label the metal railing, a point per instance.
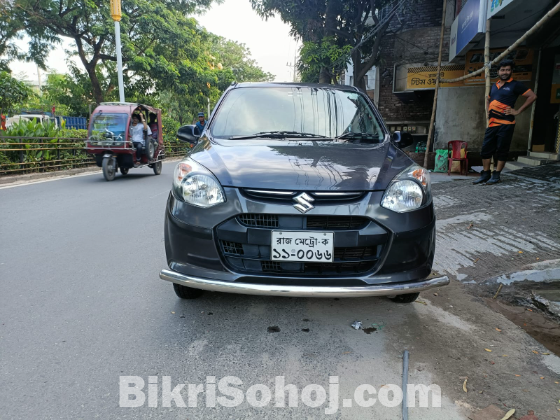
(22, 155)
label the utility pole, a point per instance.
(39, 80)
(293, 67)
(116, 15)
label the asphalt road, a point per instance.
(81, 305)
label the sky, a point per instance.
(269, 41)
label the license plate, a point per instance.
(302, 246)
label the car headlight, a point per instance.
(194, 184)
(409, 191)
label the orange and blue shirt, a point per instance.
(502, 98)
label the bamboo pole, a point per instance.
(513, 46)
(434, 107)
(487, 68)
(533, 107)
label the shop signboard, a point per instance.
(424, 78)
(498, 6)
(523, 70)
(468, 27)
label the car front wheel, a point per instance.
(185, 292)
(408, 298)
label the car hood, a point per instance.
(301, 165)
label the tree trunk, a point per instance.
(359, 80)
(97, 92)
(324, 76)
(361, 68)
(90, 68)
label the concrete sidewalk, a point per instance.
(486, 231)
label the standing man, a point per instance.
(136, 133)
(201, 123)
(501, 118)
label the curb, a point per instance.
(21, 179)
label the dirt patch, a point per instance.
(541, 327)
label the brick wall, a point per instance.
(417, 42)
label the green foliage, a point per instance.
(12, 92)
(161, 47)
(315, 56)
(32, 128)
(168, 59)
(39, 151)
(236, 58)
(330, 30)
(169, 129)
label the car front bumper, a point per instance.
(302, 291)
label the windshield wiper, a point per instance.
(279, 135)
(351, 135)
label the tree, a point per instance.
(13, 91)
(331, 30)
(160, 45)
(11, 25)
(231, 62)
(236, 57)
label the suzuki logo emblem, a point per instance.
(303, 202)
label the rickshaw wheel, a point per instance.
(157, 167)
(150, 149)
(109, 168)
(124, 171)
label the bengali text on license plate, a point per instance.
(302, 246)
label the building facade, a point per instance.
(405, 81)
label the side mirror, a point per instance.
(189, 134)
(402, 139)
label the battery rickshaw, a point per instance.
(110, 143)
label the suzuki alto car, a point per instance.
(299, 190)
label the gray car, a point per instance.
(299, 190)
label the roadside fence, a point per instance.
(22, 155)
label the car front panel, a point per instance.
(232, 241)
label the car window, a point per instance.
(319, 111)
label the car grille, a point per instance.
(288, 196)
(244, 244)
(336, 222)
(259, 220)
(310, 222)
(319, 268)
(346, 260)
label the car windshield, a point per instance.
(109, 126)
(310, 112)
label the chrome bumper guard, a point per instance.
(301, 291)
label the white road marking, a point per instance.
(40, 181)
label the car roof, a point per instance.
(122, 107)
(295, 85)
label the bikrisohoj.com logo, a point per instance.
(230, 391)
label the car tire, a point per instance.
(124, 171)
(185, 292)
(157, 167)
(109, 168)
(407, 298)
